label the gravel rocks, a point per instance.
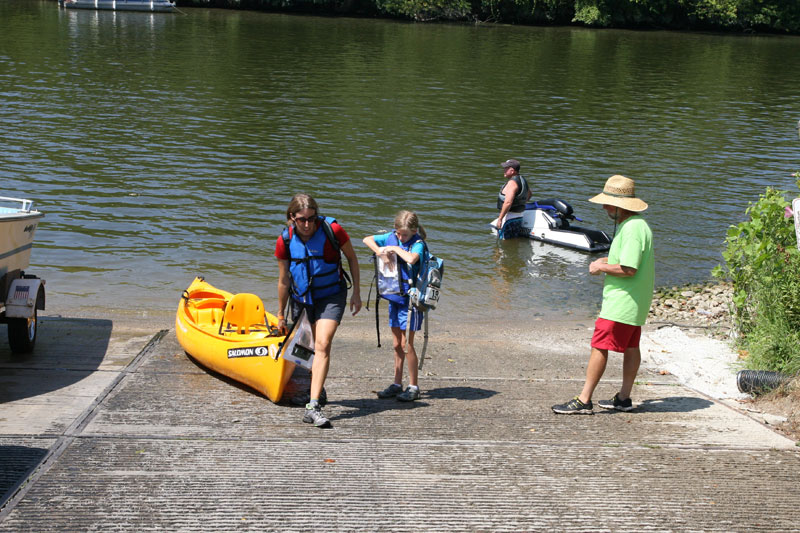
(707, 304)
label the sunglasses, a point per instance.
(304, 220)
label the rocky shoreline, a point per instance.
(706, 305)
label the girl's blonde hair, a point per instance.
(408, 220)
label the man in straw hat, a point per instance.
(627, 294)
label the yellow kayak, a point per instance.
(233, 335)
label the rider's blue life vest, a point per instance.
(311, 276)
(405, 273)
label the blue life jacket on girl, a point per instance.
(405, 271)
(312, 276)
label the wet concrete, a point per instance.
(110, 426)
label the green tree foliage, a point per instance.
(776, 15)
(726, 15)
(763, 263)
(426, 10)
(769, 15)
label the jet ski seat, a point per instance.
(559, 205)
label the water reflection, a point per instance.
(553, 261)
(543, 279)
(161, 147)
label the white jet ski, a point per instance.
(550, 221)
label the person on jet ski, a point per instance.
(514, 194)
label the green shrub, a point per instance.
(426, 10)
(763, 263)
(773, 342)
(589, 13)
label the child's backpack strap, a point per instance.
(377, 319)
(377, 298)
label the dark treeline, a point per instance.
(774, 16)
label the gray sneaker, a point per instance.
(314, 416)
(390, 392)
(305, 397)
(408, 395)
(574, 407)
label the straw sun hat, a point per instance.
(619, 192)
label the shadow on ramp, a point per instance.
(460, 393)
(67, 350)
(673, 404)
(373, 405)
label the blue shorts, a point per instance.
(398, 316)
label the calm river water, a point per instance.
(162, 146)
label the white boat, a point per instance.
(550, 221)
(17, 227)
(121, 5)
(22, 294)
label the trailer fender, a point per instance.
(25, 295)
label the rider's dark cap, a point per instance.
(513, 163)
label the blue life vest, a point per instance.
(404, 270)
(312, 276)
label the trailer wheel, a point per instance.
(22, 331)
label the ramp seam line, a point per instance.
(15, 494)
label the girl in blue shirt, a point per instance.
(405, 245)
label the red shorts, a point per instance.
(614, 336)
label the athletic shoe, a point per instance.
(390, 392)
(408, 395)
(574, 407)
(305, 397)
(616, 403)
(314, 416)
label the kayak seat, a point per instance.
(207, 311)
(207, 316)
(210, 303)
(244, 313)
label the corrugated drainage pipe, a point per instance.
(760, 381)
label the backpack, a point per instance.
(425, 293)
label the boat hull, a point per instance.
(249, 358)
(162, 6)
(17, 229)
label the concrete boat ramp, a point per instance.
(109, 426)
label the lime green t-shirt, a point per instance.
(627, 299)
